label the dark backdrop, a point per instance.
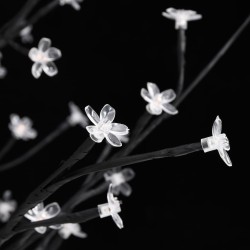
(111, 49)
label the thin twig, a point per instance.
(37, 148)
(181, 48)
(78, 217)
(154, 124)
(9, 145)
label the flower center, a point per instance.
(104, 126)
(21, 129)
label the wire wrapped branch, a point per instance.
(79, 217)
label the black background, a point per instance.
(111, 49)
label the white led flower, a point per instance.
(159, 102)
(181, 17)
(104, 128)
(71, 228)
(112, 208)
(25, 34)
(21, 128)
(7, 206)
(74, 3)
(43, 58)
(119, 181)
(217, 141)
(76, 116)
(39, 212)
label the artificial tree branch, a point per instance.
(78, 217)
(181, 48)
(37, 148)
(41, 192)
(9, 145)
(156, 122)
(129, 160)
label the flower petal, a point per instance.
(97, 138)
(41, 230)
(113, 140)
(168, 96)
(15, 119)
(117, 219)
(225, 157)
(128, 174)
(125, 189)
(33, 54)
(44, 44)
(92, 129)
(50, 68)
(169, 108)
(217, 126)
(145, 95)
(36, 70)
(152, 89)
(92, 115)
(119, 129)
(107, 113)
(54, 53)
(52, 210)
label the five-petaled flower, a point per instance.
(43, 58)
(74, 3)
(112, 208)
(217, 141)
(71, 228)
(159, 102)
(104, 126)
(21, 128)
(39, 212)
(119, 180)
(7, 206)
(181, 17)
(76, 116)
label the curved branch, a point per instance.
(79, 217)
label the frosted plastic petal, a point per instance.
(225, 157)
(92, 115)
(41, 230)
(33, 54)
(91, 129)
(128, 174)
(119, 129)
(52, 210)
(118, 221)
(145, 95)
(153, 89)
(14, 118)
(168, 96)
(125, 189)
(113, 140)
(217, 126)
(50, 68)
(36, 70)
(107, 113)
(96, 139)
(116, 190)
(169, 108)
(44, 44)
(54, 53)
